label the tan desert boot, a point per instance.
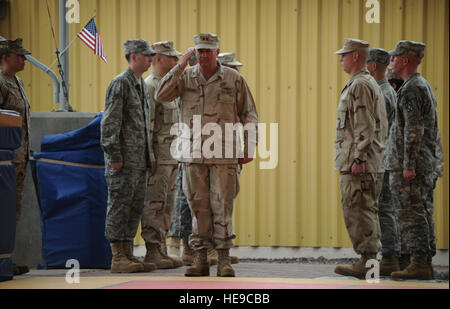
(120, 263)
(358, 269)
(200, 266)
(417, 269)
(388, 265)
(155, 256)
(224, 268)
(128, 251)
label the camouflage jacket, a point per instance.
(390, 98)
(361, 128)
(224, 100)
(13, 97)
(415, 134)
(125, 127)
(165, 116)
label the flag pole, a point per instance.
(67, 47)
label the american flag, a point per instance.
(89, 35)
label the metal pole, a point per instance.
(63, 41)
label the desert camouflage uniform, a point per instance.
(125, 137)
(210, 184)
(361, 132)
(161, 185)
(415, 137)
(13, 97)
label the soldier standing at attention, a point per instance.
(377, 64)
(359, 149)
(126, 141)
(215, 95)
(13, 97)
(161, 185)
(412, 159)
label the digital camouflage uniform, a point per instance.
(210, 184)
(13, 97)
(361, 132)
(390, 234)
(413, 145)
(161, 186)
(125, 137)
(390, 237)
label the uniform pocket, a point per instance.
(340, 123)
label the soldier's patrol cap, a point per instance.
(352, 45)
(409, 47)
(228, 59)
(206, 40)
(14, 47)
(138, 46)
(379, 55)
(165, 48)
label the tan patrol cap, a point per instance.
(228, 59)
(206, 40)
(165, 48)
(14, 47)
(352, 45)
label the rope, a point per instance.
(68, 46)
(67, 163)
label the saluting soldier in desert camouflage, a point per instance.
(217, 96)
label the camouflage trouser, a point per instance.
(430, 211)
(390, 235)
(360, 208)
(21, 173)
(126, 195)
(181, 221)
(415, 212)
(158, 206)
(211, 190)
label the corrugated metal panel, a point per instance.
(288, 48)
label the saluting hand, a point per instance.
(185, 58)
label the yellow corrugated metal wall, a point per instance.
(288, 48)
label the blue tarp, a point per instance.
(83, 138)
(7, 214)
(10, 139)
(73, 199)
